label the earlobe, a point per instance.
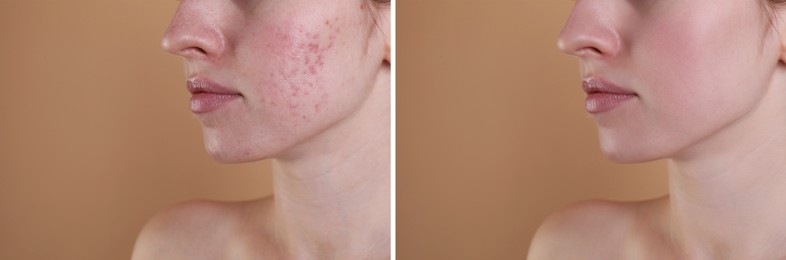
(779, 32)
(386, 30)
(782, 45)
(387, 52)
(778, 26)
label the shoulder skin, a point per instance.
(190, 230)
(593, 229)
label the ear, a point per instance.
(384, 27)
(781, 41)
(779, 27)
(387, 51)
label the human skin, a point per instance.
(708, 80)
(307, 84)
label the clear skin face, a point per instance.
(698, 67)
(710, 85)
(302, 67)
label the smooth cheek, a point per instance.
(670, 65)
(689, 68)
(699, 65)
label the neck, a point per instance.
(728, 198)
(333, 201)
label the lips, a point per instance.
(207, 96)
(603, 96)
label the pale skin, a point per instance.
(314, 76)
(710, 82)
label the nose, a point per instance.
(193, 33)
(590, 30)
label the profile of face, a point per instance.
(662, 77)
(267, 76)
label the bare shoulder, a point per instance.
(189, 230)
(592, 229)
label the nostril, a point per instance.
(193, 50)
(587, 52)
(591, 50)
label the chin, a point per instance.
(231, 152)
(627, 153)
(225, 157)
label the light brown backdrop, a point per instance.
(95, 131)
(491, 130)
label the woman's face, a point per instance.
(663, 76)
(266, 76)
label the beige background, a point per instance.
(492, 133)
(95, 131)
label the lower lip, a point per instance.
(602, 102)
(207, 102)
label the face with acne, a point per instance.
(296, 68)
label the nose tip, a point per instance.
(182, 45)
(562, 44)
(193, 35)
(582, 48)
(166, 43)
(589, 34)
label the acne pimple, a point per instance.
(319, 61)
(302, 51)
(322, 100)
(313, 47)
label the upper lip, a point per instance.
(592, 86)
(198, 85)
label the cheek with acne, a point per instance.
(297, 81)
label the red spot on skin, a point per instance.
(316, 107)
(319, 61)
(312, 70)
(362, 6)
(313, 48)
(327, 22)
